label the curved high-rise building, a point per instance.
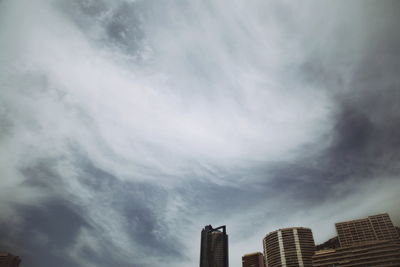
(289, 247)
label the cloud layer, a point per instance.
(126, 126)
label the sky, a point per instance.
(126, 126)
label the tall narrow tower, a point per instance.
(214, 247)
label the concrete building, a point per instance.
(289, 247)
(9, 260)
(371, 253)
(253, 260)
(376, 227)
(214, 247)
(372, 241)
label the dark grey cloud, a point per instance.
(363, 144)
(44, 233)
(118, 25)
(54, 227)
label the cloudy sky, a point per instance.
(126, 126)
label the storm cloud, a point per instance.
(126, 126)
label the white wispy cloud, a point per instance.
(201, 100)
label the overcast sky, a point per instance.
(126, 126)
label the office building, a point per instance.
(9, 260)
(372, 241)
(376, 227)
(253, 260)
(289, 247)
(370, 253)
(214, 247)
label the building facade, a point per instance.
(371, 253)
(289, 247)
(376, 227)
(253, 260)
(214, 247)
(372, 241)
(9, 260)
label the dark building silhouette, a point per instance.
(253, 260)
(289, 247)
(9, 260)
(372, 241)
(330, 244)
(214, 247)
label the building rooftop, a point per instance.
(252, 254)
(289, 228)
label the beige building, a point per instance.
(376, 227)
(371, 253)
(9, 260)
(372, 241)
(289, 247)
(253, 260)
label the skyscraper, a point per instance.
(289, 247)
(253, 260)
(214, 247)
(9, 260)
